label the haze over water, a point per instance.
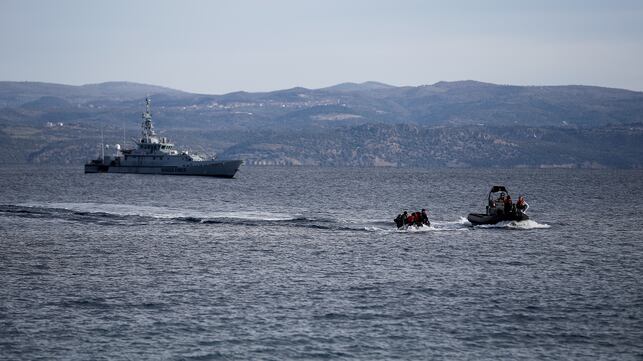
(304, 263)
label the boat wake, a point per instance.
(119, 214)
(124, 210)
(386, 226)
(122, 214)
(528, 224)
(460, 225)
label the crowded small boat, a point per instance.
(406, 219)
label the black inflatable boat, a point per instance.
(497, 210)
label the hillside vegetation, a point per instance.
(447, 124)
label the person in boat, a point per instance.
(425, 218)
(398, 221)
(410, 220)
(522, 205)
(508, 205)
(418, 219)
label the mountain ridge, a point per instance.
(45, 122)
(366, 85)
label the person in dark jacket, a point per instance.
(398, 221)
(508, 205)
(425, 218)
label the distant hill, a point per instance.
(358, 87)
(436, 124)
(454, 146)
(17, 93)
(456, 103)
(47, 102)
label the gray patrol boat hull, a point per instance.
(223, 169)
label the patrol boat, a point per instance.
(157, 155)
(496, 211)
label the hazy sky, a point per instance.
(224, 46)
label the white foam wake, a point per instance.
(462, 224)
(161, 212)
(528, 224)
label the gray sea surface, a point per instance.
(305, 263)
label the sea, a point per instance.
(284, 263)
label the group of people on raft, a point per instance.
(508, 206)
(417, 219)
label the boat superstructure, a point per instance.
(157, 155)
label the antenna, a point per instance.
(123, 134)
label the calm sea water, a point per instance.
(304, 263)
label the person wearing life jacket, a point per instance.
(418, 219)
(425, 218)
(522, 205)
(410, 220)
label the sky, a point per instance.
(223, 46)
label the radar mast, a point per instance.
(148, 129)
